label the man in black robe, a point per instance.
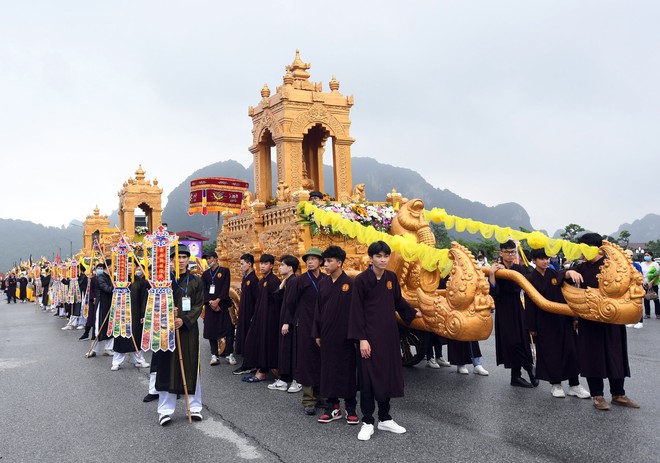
(330, 330)
(103, 302)
(555, 335)
(45, 284)
(262, 341)
(188, 294)
(22, 288)
(122, 346)
(10, 286)
(217, 322)
(287, 270)
(372, 322)
(301, 300)
(246, 307)
(512, 347)
(602, 347)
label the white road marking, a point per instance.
(7, 364)
(216, 429)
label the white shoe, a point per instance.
(557, 391)
(278, 385)
(431, 363)
(462, 370)
(638, 325)
(391, 426)
(294, 387)
(67, 327)
(214, 360)
(114, 368)
(442, 362)
(142, 364)
(579, 392)
(366, 431)
(108, 353)
(80, 327)
(231, 359)
(479, 370)
(630, 325)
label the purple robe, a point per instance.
(372, 318)
(556, 349)
(301, 300)
(338, 353)
(511, 335)
(217, 325)
(261, 343)
(246, 307)
(602, 347)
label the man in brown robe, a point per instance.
(246, 307)
(261, 343)
(188, 293)
(330, 329)
(555, 335)
(512, 346)
(217, 322)
(301, 301)
(372, 322)
(602, 347)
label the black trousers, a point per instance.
(574, 381)
(596, 386)
(434, 344)
(229, 346)
(368, 401)
(349, 402)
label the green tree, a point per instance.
(571, 231)
(654, 247)
(209, 247)
(442, 239)
(624, 238)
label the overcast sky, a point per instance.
(553, 105)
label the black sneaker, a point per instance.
(242, 370)
(150, 398)
(310, 410)
(329, 415)
(84, 337)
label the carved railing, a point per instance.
(280, 215)
(237, 223)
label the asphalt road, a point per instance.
(59, 406)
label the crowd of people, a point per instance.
(328, 336)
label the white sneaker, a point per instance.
(391, 426)
(214, 360)
(67, 327)
(579, 392)
(114, 368)
(431, 363)
(462, 370)
(366, 431)
(638, 325)
(557, 391)
(442, 362)
(278, 385)
(142, 364)
(479, 370)
(630, 325)
(231, 359)
(80, 327)
(294, 387)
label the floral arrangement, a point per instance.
(141, 230)
(270, 203)
(375, 215)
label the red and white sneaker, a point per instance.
(330, 415)
(351, 417)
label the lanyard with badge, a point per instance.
(212, 285)
(185, 300)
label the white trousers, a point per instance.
(152, 384)
(167, 401)
(119, 357)
(100, 346)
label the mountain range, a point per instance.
(24, 238)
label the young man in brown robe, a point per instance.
(217, 322)
(261, 343)
(512, 346)
(338, 354)
(301, 301)
(555, 335)
(246, 307)
(602, 347)
(372, 322)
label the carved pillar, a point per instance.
(342, 169)
(129, 223)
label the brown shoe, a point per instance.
(600, 403)
(624, 401)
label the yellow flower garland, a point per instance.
(535, 239)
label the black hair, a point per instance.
(335, 252)
(212, 254)
(291, 261)
(101, 265)
(650, 253)
(591, 239)
(508, 245)
(248, 258)
(267, 258)
(378, 247)
(539, 254)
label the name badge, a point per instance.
(212, 289)
(186, 304)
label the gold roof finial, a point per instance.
(334, 84)
(96, 210)
(139, 174)
(299, 68)
(265, 91)
(288, 78)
